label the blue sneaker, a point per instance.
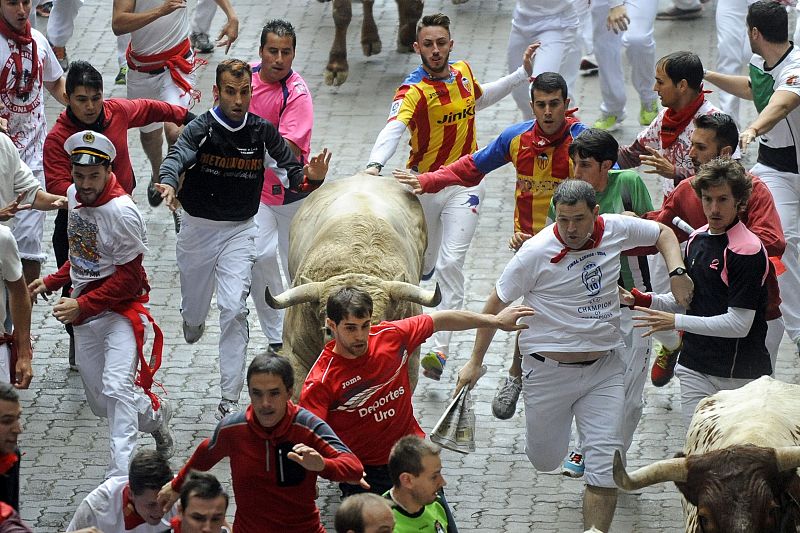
(573, 465)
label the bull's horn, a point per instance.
(788, 457)
(400, 290)
(658, 472)
(307, 292)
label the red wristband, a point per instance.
(641, 299)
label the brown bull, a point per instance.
(738, 471)
(409, 12)
(363, 231)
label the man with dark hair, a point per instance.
(276, 451)
(202, 506)
(594, 153)
(527, 145)
(725, 327)
(364, 513)
(437, 103)
(128, 503)
(774, 87)
(715, 136)
(87, 110)
(359, 384)
(162, 64)
(107, 305)
(664, 144)
(223, 154)
(281, 96)
(568, 273)
(416, 471)
(10, 430)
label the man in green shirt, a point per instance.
(416, 495)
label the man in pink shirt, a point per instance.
(281, 96)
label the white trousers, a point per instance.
(272, 242)
(451, 216)
(695, 386)
(734, 47)
(105, 352)
(640, 48)
(593, 395)
(636, 357)
(560, 51)
(28, 229)
(213, 254)
(203, 14)
(158, 87)
(785, 189)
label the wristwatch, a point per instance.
(680, 271)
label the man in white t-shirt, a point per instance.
(568, 273)
(128, 503)
(28, 66)
(107, 242)
(774, 87)
(19, 306)
(161, 64)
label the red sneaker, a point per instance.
(664, 365)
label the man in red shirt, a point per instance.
(276, 452)
(86, 110)
(359, 384)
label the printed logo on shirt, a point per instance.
(300, 87)
(376, 409)
(542, 161)
(395, 107)
(793, 80)
(714, 264)
(592, 278)
(450, 118)
(351, 381)
(467, 85)
(82, 238)
(19, 103)
(472, 201)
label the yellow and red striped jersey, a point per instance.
(440, 114)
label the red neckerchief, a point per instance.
(176, 524)
(23, 84)
(674, 122)
(7, 462)
(591, 242)
(132, 518)
(540, 142)
(113, 190)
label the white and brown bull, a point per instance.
(363, 231)
(738, 470)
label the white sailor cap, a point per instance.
(90, 148)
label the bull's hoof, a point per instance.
(335, 77)
(371, 47)
(403, 48)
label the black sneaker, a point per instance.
(153, 195)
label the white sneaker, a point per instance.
(192, 334)
(163, 437)
(225, 408)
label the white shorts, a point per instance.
(593, 395)
(28, 229)
(158, 87)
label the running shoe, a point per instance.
(162, 435)
(664, 365)
(153, 195)
(573, 465)
(588, 67)
(433, 365)
(44, 9)
(608, 123)
(225, 408)
(648, 113)
(504, 404)
(122, 75)
(192, 334)
(676, 13)
(177, 217)
(61, 55)
(201, 43)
